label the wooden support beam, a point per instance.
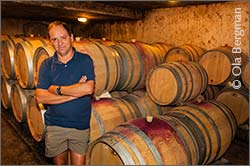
(89, 8)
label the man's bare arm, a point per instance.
(77, 90)
(45, 97)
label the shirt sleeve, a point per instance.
(90, 73)
(44, 78)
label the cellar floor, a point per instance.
(19, 148)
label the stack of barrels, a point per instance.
(21, 58)
(123, 65)
(203, 114)
(229, 72)
(165, 104)
(192, 134)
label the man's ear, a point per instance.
(72, 37)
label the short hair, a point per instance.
(56, 23)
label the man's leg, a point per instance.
(61, 159)
(56, 144)
(76, 158)
(78, 144)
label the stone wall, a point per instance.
(23, 27)
(208, 26)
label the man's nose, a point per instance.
(60, 41)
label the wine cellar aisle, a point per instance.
(18, 146)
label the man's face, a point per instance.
(61, 40)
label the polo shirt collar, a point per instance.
(55, 57)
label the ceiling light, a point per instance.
(82, 19)
(173, 2)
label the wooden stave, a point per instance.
(18, 102)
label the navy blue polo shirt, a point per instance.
(75, 113)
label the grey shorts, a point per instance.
(59, 139)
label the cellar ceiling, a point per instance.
(93, 10)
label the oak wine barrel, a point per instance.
(211, 92)
(213, 125)
(150, 57)
(169, 83)
(118, 94)
(6, 92)
(164, 47)
(41, 53)
(35, 118)
(131, 66)
(107, 113)
(164, 141)
(104, 41)
(7, 56)
(143, 104)
(23, 63)
(106, 65)
(19, 102)
(218, 63)
(238, 101)
(186, 52)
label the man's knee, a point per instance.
(61, 159)
(76, 158)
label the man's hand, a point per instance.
(83, 79)
(46, 97)
(82, 88)
(52, 89)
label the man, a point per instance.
(66, 82)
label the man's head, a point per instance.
(61, 37)
(57, 23)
